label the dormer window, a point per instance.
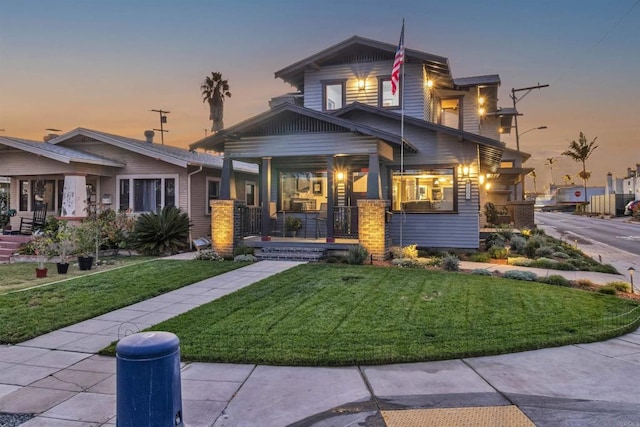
(333, 95)
(385, 98)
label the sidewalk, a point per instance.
(57, 377)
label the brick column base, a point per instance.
(222, 227)
(522, 213)
(372, 229)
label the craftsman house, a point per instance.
(352, 160)
(85, 169)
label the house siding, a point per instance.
(311, 144)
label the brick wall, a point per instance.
(522, 213)
(223, 226)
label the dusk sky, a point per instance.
(104, 64)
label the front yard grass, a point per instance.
(27, 314)
(342, 315)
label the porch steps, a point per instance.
(292, 253)
(9, 245)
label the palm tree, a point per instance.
(533, 176)
(550, 162)
(580, 151)
(214, 89)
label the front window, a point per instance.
(143, 194)
(213, 192)
(333, 95)
(386, 98)
(302, 190)
(424, 190)
(43, 191)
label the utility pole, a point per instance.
(515, 101)
(163, 120)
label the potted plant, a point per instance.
(293, 224)
(42, 245)
(87, 235)
(63, 245)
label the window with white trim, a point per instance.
(213, 192)
(333, 95)
(386, 98)
(139, 193)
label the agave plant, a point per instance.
(163, 233)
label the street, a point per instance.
(612, 241)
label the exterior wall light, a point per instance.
(487, 186)
(481, 111)
(340, 176)
(481, 179)
(361, 84)
(429, 83)
(465, 170)
(481, 101)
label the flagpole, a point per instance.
(402, 143)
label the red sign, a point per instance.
(577, 193)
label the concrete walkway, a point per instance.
(58, 377)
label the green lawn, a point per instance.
(21, 275)
(27, 314)
(329, 314)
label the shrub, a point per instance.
(480, 257)
(544, 251)
(481, 272)
(117, 229)
(555, 279)
(243, 250)
(521, 261)
(357, 255)
(560, 255)
(533, 243)
(603, 268)
(208, 255)
(413, 262)
(563, 266)
(498, 252)
(450, 263)
(620, 286)
(245, 258)
(162, 233)
(396, 252)
(517, 243)
(494, 240)
(410, 251)
(520, 275)
(337, 260)
(607, 290)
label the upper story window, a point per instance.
(450, 112)
(506, 164)
(333, 95)
(385, 98)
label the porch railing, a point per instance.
(250, 220)
(345, 221)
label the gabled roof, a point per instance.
(360, 49)
(173, 155)
(58, 153)
(216, 141)
(490, 149)
(491, 79)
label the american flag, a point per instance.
(397, 62)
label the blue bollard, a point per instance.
(148, 390)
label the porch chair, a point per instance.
(36, 222)
(321, 218)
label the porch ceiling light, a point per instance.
(481, 179)
(340, 176)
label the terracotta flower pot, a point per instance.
(41, 272)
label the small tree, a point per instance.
(533, 176)
(550, 162)
(580, 151)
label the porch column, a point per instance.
(228, 183)
(330, 198)
(265, 196)
(374, 228)
(74, 196)
(373, 177)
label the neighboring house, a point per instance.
(85, 169)
(337, 143)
